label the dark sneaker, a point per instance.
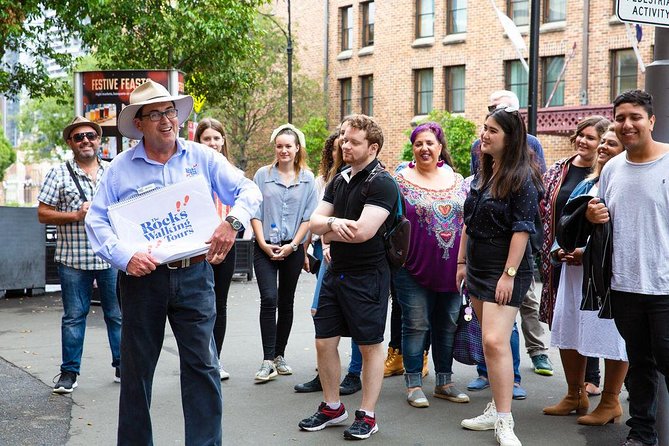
(66, 382)
(350, 384)
(363, 427)
(542, 365)
(117, 375)
(312, 386)
(323, 418)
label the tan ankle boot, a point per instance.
(575, 400)
(608, 410)
(394, 363)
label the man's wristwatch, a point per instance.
(330, 221)
(294, 246)
(511, 271)
(235, 223)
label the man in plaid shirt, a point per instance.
(61, 203)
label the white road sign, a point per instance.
(649, 12)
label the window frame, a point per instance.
(615, 76)
(345, 100)
(545, 7)
(346, 28)
(418, 103)
(419, 15)
(545, 89)
(522, 98)
(451, 14)
(367, 94)
(509, 11)
(450, 91)
(367, 26)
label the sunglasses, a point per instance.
(156, 116)
(78, 137)
(492, 108)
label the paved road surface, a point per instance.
(265, 414)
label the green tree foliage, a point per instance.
(26, 29)
(460, 134)
(315, 132)
(7, 154)
(208, 40)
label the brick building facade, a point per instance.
(400, 58)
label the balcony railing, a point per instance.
(562, 120)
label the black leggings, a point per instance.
(222, 277)
(275, 329)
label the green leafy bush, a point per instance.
(315, 133)
(460, 134)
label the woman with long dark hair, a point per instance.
(494, 261)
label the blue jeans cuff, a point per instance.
(413, 379)
(443, 379)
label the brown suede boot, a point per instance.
(608, 410)
(394, 364)
(575, 400)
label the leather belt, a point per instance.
(185, 263)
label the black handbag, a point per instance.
(398, 238)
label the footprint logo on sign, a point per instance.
(186, 198)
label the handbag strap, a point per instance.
(76, 181)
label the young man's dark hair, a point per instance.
(636, 97)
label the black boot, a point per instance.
(350, 384)
(312, 386)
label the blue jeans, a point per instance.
(515, 352)
(355, 366)
(426, 313)
(76, 290)
(186, 298)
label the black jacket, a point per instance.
(574, 230)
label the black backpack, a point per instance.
(397, 237)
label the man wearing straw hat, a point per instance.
(63, 201)
(181, 291)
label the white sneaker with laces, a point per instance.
(266, 371)
(484, 422)
(504, 432)
(281, 366)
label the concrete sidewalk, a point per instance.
(265, 414)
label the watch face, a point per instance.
(511, 271)
(236, 224)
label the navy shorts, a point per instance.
(354, 304)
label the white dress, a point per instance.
(584, 331)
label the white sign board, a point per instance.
(649, 12)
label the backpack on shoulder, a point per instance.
(397, 238)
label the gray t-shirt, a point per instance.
(637, 195)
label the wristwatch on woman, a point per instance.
(294, 246)
(511, 271)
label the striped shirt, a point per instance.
(59, 190)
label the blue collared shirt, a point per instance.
(133, 172)
(286, 206)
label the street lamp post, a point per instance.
(289, 52)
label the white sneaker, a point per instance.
(224, 375)
(484, 422)
(281, 366)
(266, 371)
(504, 432)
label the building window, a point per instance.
(624, 72)
(424, 18)
(455, 89)
(518, 11)
(551, 69)
(515, 79)
(423, 91)
(345, 94)
(368, 10)
(346, 28)
(555, 10)
(457, 17)
(367, 95)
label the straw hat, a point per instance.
(80, 121)
(150, 92)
